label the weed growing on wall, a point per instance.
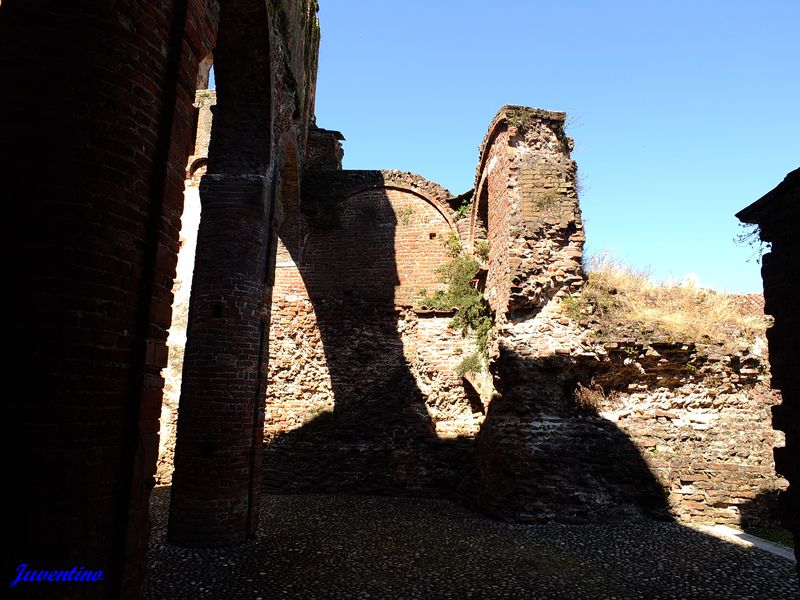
(472, 363)
(519, 118)
(463, 210)
(482, 249)
(472, 316)
(405, 215)
(454, 246)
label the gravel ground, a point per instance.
(360, 547)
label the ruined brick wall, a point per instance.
(109, 93)
(777, 215)
(529, 444)
(700, 419)
(525, 189)
(181, 289)
(323, 149)
(683, 432)
(362, 392)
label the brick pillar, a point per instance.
(97, 118)
(221, 414)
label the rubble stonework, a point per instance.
(363, 391)
(700, 419)
(363, 394)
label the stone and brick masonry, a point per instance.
(363, 394)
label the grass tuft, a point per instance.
(625, 300)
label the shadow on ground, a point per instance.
(314, 547)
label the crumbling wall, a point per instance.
(363, 394)
(362, 391)
(586, 429)
(700, 419)
(532, 448)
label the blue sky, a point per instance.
(682, 112)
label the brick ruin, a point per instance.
(364, 391)
(777, 215)
(361, 370)
(98, 274)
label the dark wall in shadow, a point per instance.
(763, 511)
(543, 455)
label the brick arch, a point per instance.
(204, 71)
(400, 186)
(195, 166)
(479, 213)
(414, 241)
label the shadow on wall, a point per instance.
(761, 512)
(538, 456)
(543, 454)
(379, 438)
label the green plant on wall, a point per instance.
(519, 118)
(472, 363)
(463, 209)
(453, 245)
(482, 249)
(472, 314)
(405, 215)
(574, 307)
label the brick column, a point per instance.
(97, 121)
(221, 415)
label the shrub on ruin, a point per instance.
(482, 249)
(472, 313)
(462, 211)
(472, 363)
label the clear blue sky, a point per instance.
(683, 112)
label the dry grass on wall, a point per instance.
(620, 300)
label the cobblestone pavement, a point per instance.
(353, 548)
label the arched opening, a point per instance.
(479, 228)
(205, 73)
